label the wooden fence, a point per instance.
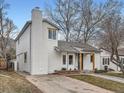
(3, 64)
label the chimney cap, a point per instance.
(37, 7)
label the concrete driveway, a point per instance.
(62, 84)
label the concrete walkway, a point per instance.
(113, 78)
(62, 84)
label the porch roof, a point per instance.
(75, 47)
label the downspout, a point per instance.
(30, 51)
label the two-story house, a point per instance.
(39, 51)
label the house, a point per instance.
(105, 62)
(39, 51)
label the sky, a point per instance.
(20, 10)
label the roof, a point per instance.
(75, 47)
(23, 30)
(51, 23)
(29, 22)
(120, 51)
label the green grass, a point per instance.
(114, 74)
(11, 82)
(103, 83)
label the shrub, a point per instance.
(100, 71)
(64, 69)
(111, 69)
(75, 69)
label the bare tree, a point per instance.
(79, 19)
(6, 29)
(64, 16)
(112, 36)
(90, 16)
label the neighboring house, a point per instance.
(10, 49)
(39, 52)
(106, 62)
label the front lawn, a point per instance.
(11, 82)
(103, 83)
(114, 74)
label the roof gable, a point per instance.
(29, 22)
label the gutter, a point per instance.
(23, 30)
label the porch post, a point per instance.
(67, 62)
(93, 55)
(81, 61)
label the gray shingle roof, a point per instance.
(121, 51)
(75, 47)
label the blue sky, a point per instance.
(20, 10)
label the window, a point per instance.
(25, 57)
(70, 59)
(52, 34)
(122, 60)
(106, 61)
(64, 59)
(103, 61)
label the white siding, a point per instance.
(53, 56)
(105, 54)
(88, 65)
(67, 65)
(97, 61)
(22, 46)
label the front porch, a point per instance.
(83, 61)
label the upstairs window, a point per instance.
(52, 34)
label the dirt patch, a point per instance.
(11, 82)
